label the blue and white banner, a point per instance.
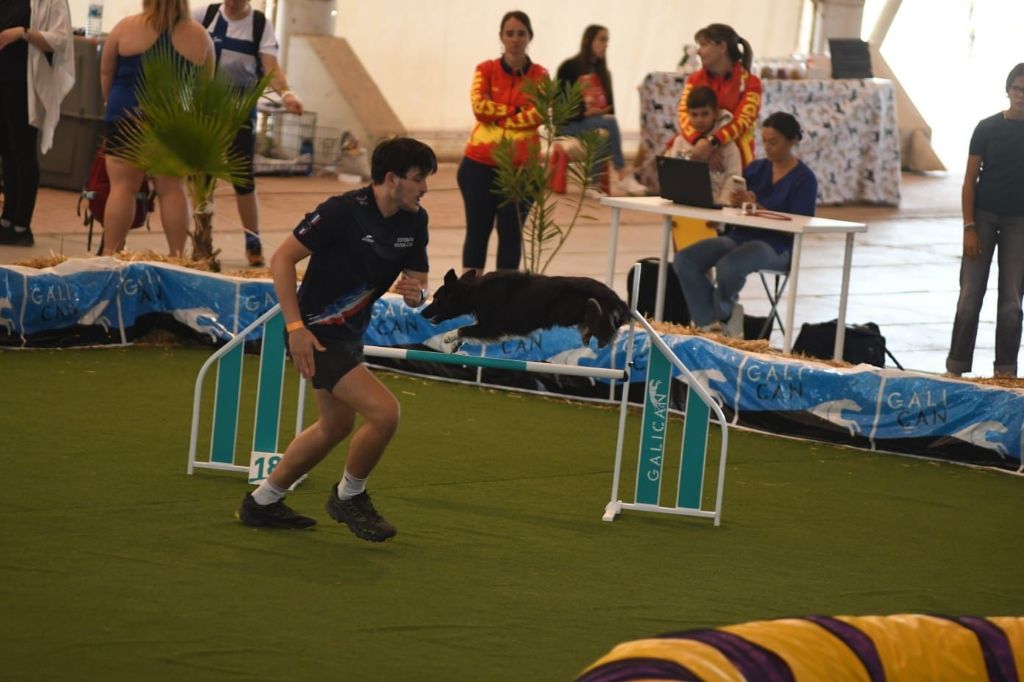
(871, 407)
(109, 296)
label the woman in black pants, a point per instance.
(502, 112)
(36, 72)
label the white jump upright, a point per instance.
(653, 442)
(654, 426)
(227, 398)
(264, 454)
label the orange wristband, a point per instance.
(294, 326)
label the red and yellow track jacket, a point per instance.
(502, 110)
(740, 93)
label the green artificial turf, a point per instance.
(116, 565)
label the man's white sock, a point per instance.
(350, 486)
(268, 493)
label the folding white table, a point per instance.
(798, 225)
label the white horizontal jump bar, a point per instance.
(495, 363)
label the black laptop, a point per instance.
(685, 182)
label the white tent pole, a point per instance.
(884, 22)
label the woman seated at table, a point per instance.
(589, 68)
(779, 182)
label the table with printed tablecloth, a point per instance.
(851, 138)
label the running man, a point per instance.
(357, 243)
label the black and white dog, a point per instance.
(510, 303)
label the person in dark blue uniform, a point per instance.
(357, 243)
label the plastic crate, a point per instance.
(344, 156)
(285, 142)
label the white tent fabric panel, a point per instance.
(422, 55)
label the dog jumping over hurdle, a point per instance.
(511, 303)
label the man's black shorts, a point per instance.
(332, 364)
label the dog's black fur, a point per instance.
(510, 303)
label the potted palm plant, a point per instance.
(183, 127)
(543, 233)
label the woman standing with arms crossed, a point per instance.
(160, 22)
(993, 209)
(503, 112)
(726, 58)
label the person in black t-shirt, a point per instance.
(357, 244)
(993, 210)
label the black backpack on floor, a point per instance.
(676, 310)
(864, 343)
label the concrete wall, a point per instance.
(422, 55)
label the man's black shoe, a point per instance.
(360, 516)
(255, 256)
(276, 515)
(12, 237)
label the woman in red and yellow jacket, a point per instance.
(726, 61)
(503, 112)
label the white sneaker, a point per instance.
(734, 326)
(631, 186)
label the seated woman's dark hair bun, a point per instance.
(786, 124)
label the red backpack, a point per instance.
(97, 189)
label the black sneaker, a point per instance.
(12, 237)
(276, 515)
(360, 516)
(254, 254)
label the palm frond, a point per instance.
(186, 120)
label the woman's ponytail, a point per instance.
(747, 58)
(739, 49)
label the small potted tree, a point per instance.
(183, 127)
(543, 234)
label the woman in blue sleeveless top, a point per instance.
(164, 21)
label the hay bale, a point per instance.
(40, 262)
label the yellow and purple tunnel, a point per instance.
(899, 648)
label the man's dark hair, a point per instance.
(702, 96)
(1015, 73)
(397, 155)
(785, 124)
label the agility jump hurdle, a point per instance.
(654, 424)
(227, 401)
(270, 385)
(270, 388)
